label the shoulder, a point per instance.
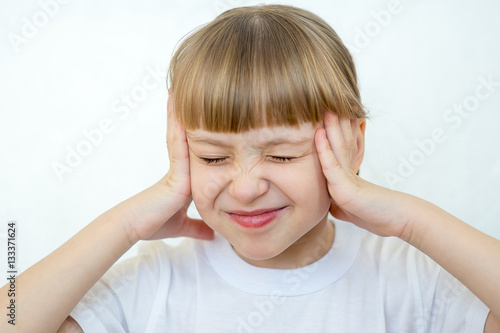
(396, 266)
(159, 255)
(393, 252)
(134, 291)
(433, 298)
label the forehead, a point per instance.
(266, 136)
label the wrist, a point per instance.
(143, 214)
(415, 214)
(119, 220)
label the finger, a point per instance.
(178, 151)
(196, 228)
(179, 156)
(329, 162)
(339, 182)
(187, 204)
(349, 132)
(354, 128)
(170, 121)
(346, 128)
(338, 212)
(336, 138)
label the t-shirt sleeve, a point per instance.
(454, 308)
(122, 300)
(420, 295)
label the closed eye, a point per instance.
(282, 158)
(213, 160)
(222, 159)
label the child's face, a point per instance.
(234, 175)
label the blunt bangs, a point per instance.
(262, 66)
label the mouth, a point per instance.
(255, 218)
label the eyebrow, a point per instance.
(272, 142)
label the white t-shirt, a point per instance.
(365, 283)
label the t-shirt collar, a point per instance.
(286, 282)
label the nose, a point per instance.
(247, 186)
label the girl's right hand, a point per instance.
(160, 210)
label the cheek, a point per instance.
(206, 185)
(313, 185)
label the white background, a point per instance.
(66, 67)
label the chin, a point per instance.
(252, 251)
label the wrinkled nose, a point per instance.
(247, 187)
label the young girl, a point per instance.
(266, 136)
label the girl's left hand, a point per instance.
(374, 208)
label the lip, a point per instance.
(255, 218)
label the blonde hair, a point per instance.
(262, 66)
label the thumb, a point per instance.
(196, 228)
(339, 213)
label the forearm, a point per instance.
(468, 254)
(50, 289)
